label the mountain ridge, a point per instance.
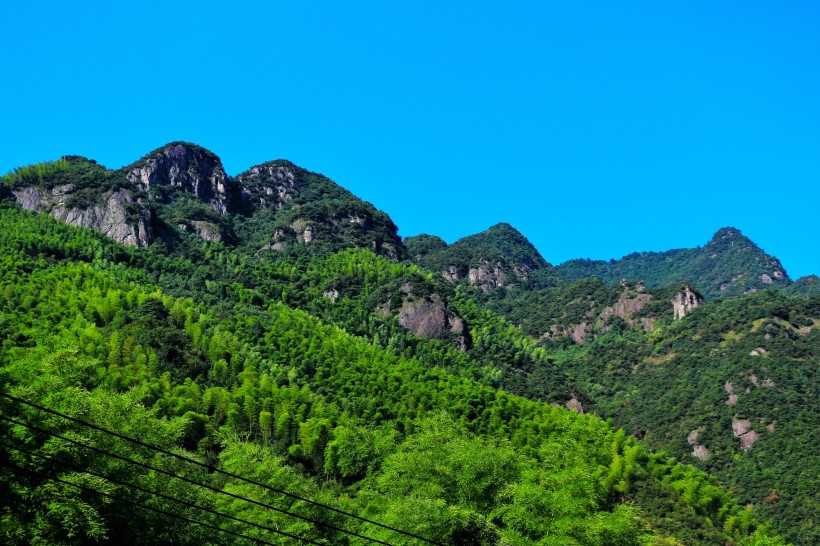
(729, 264)
(192, 171)
(183, 188)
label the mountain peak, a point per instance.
(503, 226)
(187, 167)
(730, 264)
(504, 241)
(728, 234)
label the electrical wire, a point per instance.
(158, 510)
(158, 494)
(216, 470)
(193, 482)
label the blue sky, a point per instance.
(595, 128)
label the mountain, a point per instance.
(505, 273)
(269, 325)
(498, 257)
(219, 361)
(728, 265)
(181, 189)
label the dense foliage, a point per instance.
(738, 378)
(499, 247)
(728, 265)
(244, 363)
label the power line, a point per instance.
(193, 482)
(217, 470)
(158, 494)
(158, 510)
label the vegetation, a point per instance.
(728, 265)
(237, 374)
(737, 377)
(264, 335)
(500, 246)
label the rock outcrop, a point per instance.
(428, 317)
(574, 404)
(116, 214)
(742, 429)
(170, 191)
(270, 185)
(698, 450)
(685, 301)
(188, 168)
(632, 299)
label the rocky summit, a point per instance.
(182, 188)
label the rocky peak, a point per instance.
(272, 184)
(685, 301)
(729, 235)
(189, 168)
(512, 245)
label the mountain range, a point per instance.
(324, 333)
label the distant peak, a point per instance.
(77, 159)
(179, 146)
(503, 226)
(728, 233)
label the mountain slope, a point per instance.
(254, 386)
(732, 388)
(728, 265)
(279, 247)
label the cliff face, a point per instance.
(306, 208)
(685, 301)
(116, 214)
(191, 169)
(270, 185)
(429, 318)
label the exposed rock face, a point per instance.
(451, 274)
(685, 301)
(428, 317)
(629, 302)
(730, 390)
(305, 231)
(742, 429)
(331, 295)
(579, 333)
(487, 276)
(698, 451)
(575, 405)
(191, 169)
(279, 181)
(109, 215)
(701, 452)
(207, 230)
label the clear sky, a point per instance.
(595, 128)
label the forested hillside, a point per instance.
(728, 265)
(273, 327)
(228, 374)
(733, 388)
